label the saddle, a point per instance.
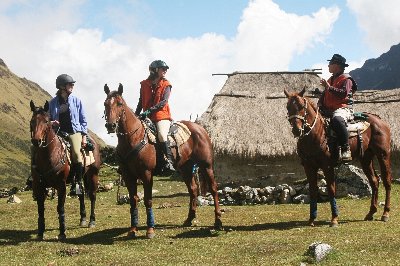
(86, 154)
(356, 128)
(178, 133)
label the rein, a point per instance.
(303, 132)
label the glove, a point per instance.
(145, 114)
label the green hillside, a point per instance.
(15, 114)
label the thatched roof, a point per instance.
(248, 117)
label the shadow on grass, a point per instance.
(14, 237)
(180, 194)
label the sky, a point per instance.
(114, 41)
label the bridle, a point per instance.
(121, 113)
(305, 123)
(42, 142)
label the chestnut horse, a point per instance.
(137, 160)
(52, 170)
(312, 147)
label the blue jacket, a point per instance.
(78, 118)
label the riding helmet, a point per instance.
(157, 64)
(63, 79)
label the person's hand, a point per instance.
(145, 114)
(324, 83)
(84, 141)
(55, 123)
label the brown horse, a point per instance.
(312, 147)
(137, 160)
(52, 170)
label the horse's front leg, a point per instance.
(39, 194)
(330, 177)
(311, 173)
(148, 202)
(131, 185)
(61, 211)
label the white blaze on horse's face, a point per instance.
(112, 113)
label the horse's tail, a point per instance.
(202, 183)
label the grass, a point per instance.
(253, 235)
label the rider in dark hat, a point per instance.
(337, 102)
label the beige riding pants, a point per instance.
(76, 144)
(163, 129)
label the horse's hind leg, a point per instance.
(368, 168)
(191, 184)
(82, 209)
(386, 173)
(212, 184)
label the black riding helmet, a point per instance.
(63, 79)
(157, 64)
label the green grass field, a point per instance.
(253, 235)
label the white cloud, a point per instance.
(266, 40)
(380, 21)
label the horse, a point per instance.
(137, 160)
(52, 169)
(312, 147)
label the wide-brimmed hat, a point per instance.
(338, 59)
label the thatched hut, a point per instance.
(247, 122)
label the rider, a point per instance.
(67, 111)
(154, 95)
(337, 102)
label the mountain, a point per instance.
(380, 73)
(15, 114)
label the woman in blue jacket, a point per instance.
(67, 111)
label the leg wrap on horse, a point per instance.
(150, 217)
(134, 217)
(313, 209)
(334, 208)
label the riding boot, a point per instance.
(76, 185)
(346, 153)
(169, 165)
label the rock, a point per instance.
(14, 199)
(319, 250)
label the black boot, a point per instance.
(76, 185)
(169, 165)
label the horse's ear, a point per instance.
(286, 93)
(302, 92)
(120, 89)
(46, 106)
(106, 89)
(33, 107)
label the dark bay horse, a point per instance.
(137, 160)
(52, 170)
(312, 147)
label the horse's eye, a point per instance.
(119, 104)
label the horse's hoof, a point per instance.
(384, 218)
(187, 223)
(62, 237)
(334, 224)
(150, 233)
(92, 224)
(40, 237)
(132, 232)
(311, 223)
(82, 223)
(218, 225)
(369, 217)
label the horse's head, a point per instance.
(297, 107)
(39, 124)
(113, 107)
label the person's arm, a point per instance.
(163, 102)
(343, 90)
